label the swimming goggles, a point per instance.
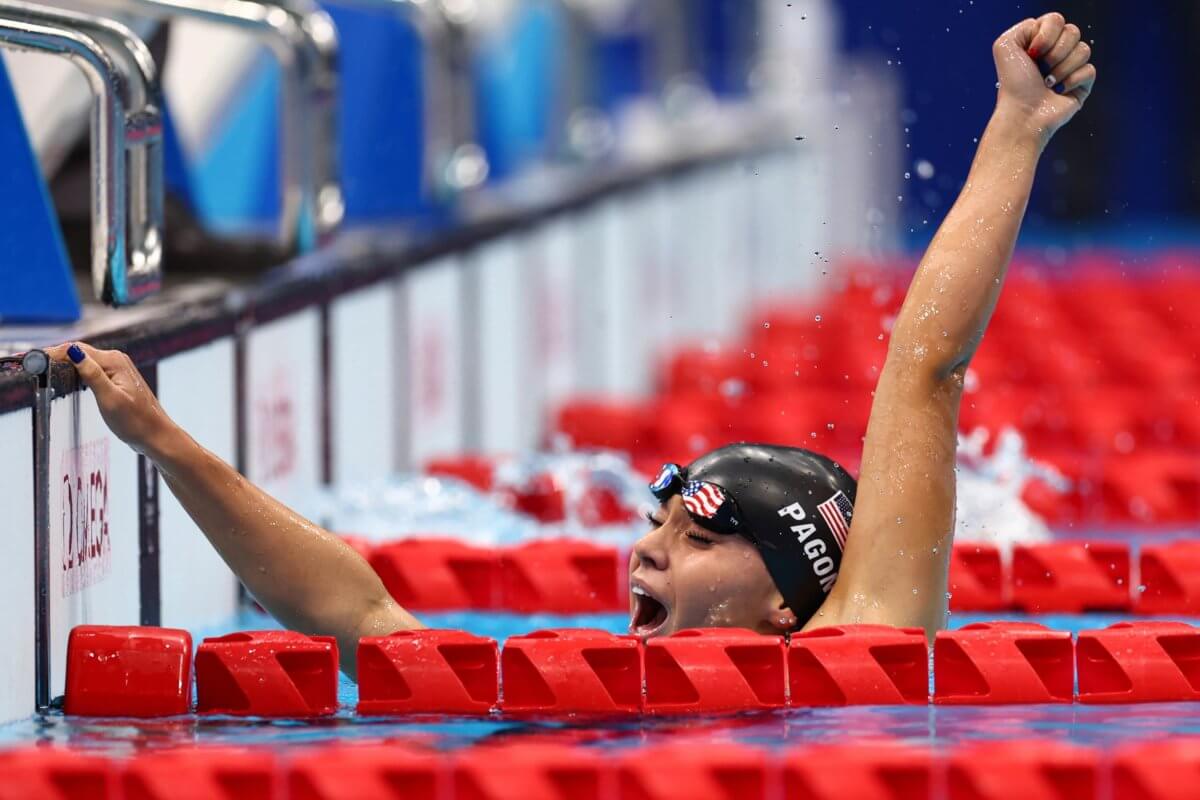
(707, 503)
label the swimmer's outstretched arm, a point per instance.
(305, 576)
(897, 554)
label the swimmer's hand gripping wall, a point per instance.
(309, 579)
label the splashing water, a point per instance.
(989, 507)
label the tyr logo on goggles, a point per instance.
(707, 503)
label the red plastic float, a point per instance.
(128, 671)
(1157, 770)
(713, 670)
(1071, 577)
(541, 497)
(1028, 769)
(858, 665)
(976, 578)
(533, 771)
(562, 576)
(992, 663)
(54, 773)
(428, 671)
(438, 574)
(1170, 574)
(1139, 662)
(267, 674)
(578, 670)
(602, 422)
(477, 470)
(204, 773)
(865, 770)
(699, 769)
(368, 772)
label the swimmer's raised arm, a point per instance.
(897, 553)
(308, 578)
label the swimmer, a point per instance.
(749, 535)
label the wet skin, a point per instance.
(684, 576)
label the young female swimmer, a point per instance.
(748, 535)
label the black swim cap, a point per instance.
(793, 504)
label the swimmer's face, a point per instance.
(684, 576)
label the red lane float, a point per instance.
(54, 773)
(438, 574)
(699, 770)
(204, 773)
(562, 576)
(864, 770)
(1170, 574)
(1157, 770)
(991, 663)
(533, 771)
(1139, 662)
(1071, 577)
(477, 470)
(1030, 770)
(715, 670)
(858, 665)
(368, 772)
(977, 580)
(428, 672)
(570, 671)
(267, 674)
(128, 671)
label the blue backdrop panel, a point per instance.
(36, 283)
(516, 86)
(380, 130)
(383, 115)
(236, 178)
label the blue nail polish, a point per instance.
(75, 353)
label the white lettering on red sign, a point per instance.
(86, 545)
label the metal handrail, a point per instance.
(304, 43)
(126, 139)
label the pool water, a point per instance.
(934, 725)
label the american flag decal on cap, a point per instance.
(702, 499)
(837, 512)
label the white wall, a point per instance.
(93, 527)
(196, 388)
(435, 345)
(282, 396)
(16, 568)
(364, 381)
(555, 335)
(509, 418)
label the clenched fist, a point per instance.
(1028, 96)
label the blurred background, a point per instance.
(476, 268)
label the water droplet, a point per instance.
(766, 324)
(817, 318)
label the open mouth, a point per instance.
(649, 613)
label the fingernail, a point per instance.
(75, 353)
(1050, 80)
(1033, 52)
